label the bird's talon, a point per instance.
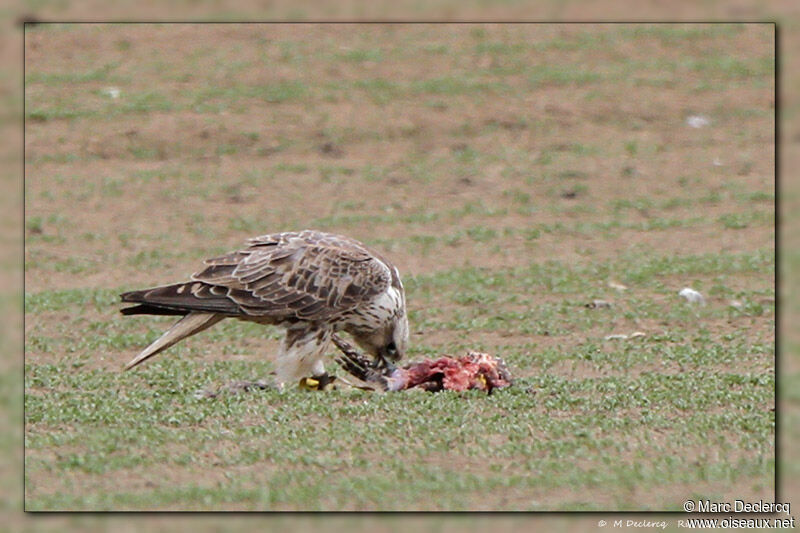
(324, 382)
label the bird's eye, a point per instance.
(391, 348)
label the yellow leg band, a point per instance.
(309, 384)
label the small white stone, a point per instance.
(697, 121)
(113, 92)
(692, 296)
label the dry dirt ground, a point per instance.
(453, 148)
(284, 162)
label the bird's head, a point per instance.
(387, 344)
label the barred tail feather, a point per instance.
(192, 323)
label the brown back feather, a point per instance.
(308, 275)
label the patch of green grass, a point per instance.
(272, 439)
(293, 52)
(451, 85)
(634, 267)
(143, 102)
(206, 100)
(609, 228)
(362, 55)
(275, 92)
(518, 196)
(329, 172)
(70, 298)
(43, 114)
(379, 90)
(223, 96)
(227, 149)
(757, 196)
(498, 48)
(436, 49)
(488, 174)
(103, 74)
(711, 66)
(254, 225)
(743, 220)
(282, 91)
(34, 224)
(296, 168)
(670, 34)
(357, 219)
(544, 75)
(682, 378)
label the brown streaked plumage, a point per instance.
(312, 283)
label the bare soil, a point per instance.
(188, 183)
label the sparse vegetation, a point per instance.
(515, 174)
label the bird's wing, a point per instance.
(306, 275)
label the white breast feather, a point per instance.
(390, 299)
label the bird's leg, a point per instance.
(319, 380)
(300, 360)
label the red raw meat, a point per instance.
(476, 370)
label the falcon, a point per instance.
(311, 283)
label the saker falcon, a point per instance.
(309, 282)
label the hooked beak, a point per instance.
(380, 362)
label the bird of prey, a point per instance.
(314, 284)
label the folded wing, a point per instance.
(305, 275)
